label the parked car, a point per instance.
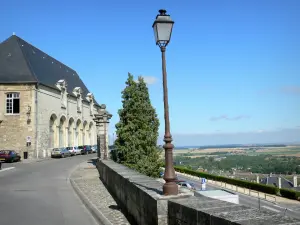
(9, 156)
(74, 150)
(86, 149)
(60, 153)
(185, 184)
(80, 148)
(94, 148)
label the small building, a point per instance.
(44, 103)
(281, 182)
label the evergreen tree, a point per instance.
(137, 130)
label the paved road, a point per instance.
(292, 210)
(39, 193)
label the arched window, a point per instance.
(13, 103)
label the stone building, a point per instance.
(44, 103)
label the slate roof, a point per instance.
(21, 62)
(273, 180)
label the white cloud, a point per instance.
(149, 79)
(225, 117)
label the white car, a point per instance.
(74, 150)
(94, 148)
(185, 184)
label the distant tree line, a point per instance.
(233, 146)
(257, 164)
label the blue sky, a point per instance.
(233, 66)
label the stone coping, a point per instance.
(148, 184)
(204, 210)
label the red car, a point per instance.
(9, 156)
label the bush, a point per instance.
(291, 194)
(253, 186)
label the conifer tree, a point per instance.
(137, 130)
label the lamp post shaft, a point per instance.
(170, 187)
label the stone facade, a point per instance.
(57, 119)
(15, 128)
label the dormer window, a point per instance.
(90, 98)
(78, 93)
(62, 86)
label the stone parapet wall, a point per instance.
(137, 194)
(208, 211)
(142, 200)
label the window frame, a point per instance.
(13, 95)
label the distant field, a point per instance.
(279, 151)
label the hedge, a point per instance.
(291, 194)
(241, 183)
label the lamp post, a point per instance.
(162, 27)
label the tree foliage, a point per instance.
(137, 130)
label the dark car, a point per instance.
(86, 149)
(9, 156)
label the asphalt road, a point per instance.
(39, 193)
(288, 210)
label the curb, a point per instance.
(6, 169)
(97, 214)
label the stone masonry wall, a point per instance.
(14, 129)
(138, 195)
(142, 200)
(208, 211)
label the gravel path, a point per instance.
(86, 178)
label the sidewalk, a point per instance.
(86, 183)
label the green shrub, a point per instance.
(291, 194)
(241, 183)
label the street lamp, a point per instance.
(162, 27)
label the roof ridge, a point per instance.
(27, 61)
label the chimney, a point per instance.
(295, 181)
(279, 182)
(257, 179)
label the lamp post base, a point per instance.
(170, 188)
